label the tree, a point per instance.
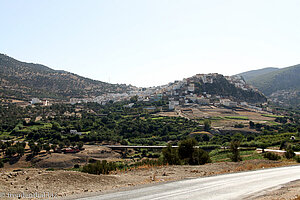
(35, 149)
(237, 137)
(186, 148)
(199, 157)
(20, 150)
(46, 147)
(205, 138)
(80, 145)
(207, 125)
(11, 151)
(235, 152)
(3, 146)
(251, 124)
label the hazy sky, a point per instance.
(151, 42)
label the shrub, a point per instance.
(99, 167)
(199, 157)
(239, 126)
(76, 166)
(170, 155)
(186, 154)
(289, 153)
(297, 159)
(272, 156)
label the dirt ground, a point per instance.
(69, 184)
(290, 191)
(60, 160)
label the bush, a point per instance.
(99, 167)
(289, 153)
(76, 166)
(186, 154)
(170, 155)
(297, 159)
(239, 126)
(271, 156)
(199, 157)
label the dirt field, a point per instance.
(218, 115)
(69, 183)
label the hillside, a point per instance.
(249, 75)
(233, 87)
(22, 80)
(282, 85)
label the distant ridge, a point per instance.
(249, 75)
(281, 85)
(23, 81)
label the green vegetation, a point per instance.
(271, 156)
(273, 116)
(235, 152)
(100, 167)
(186, 154)
(237, 117)
(297, 159)
(221, 155)
(289, 153)
(114, 123)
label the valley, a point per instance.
(97, 141)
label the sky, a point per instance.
(151, 42)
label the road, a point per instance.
(244, 185)
(277, 151)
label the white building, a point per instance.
(228, 103)
(172, 104)
(35, 101)
(191, 87)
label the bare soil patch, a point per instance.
(290, 191)
(73, 184)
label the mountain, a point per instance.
(281, 85)
(232, 87)
(23, 80)
(249, 75)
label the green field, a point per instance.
(237, 117)
(273, 116)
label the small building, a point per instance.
(75, 132)
(228, 103)
(172, 104)
(35, 101)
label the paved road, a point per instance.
(277, 151)
(229, 186)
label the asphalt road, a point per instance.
(244, 185)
